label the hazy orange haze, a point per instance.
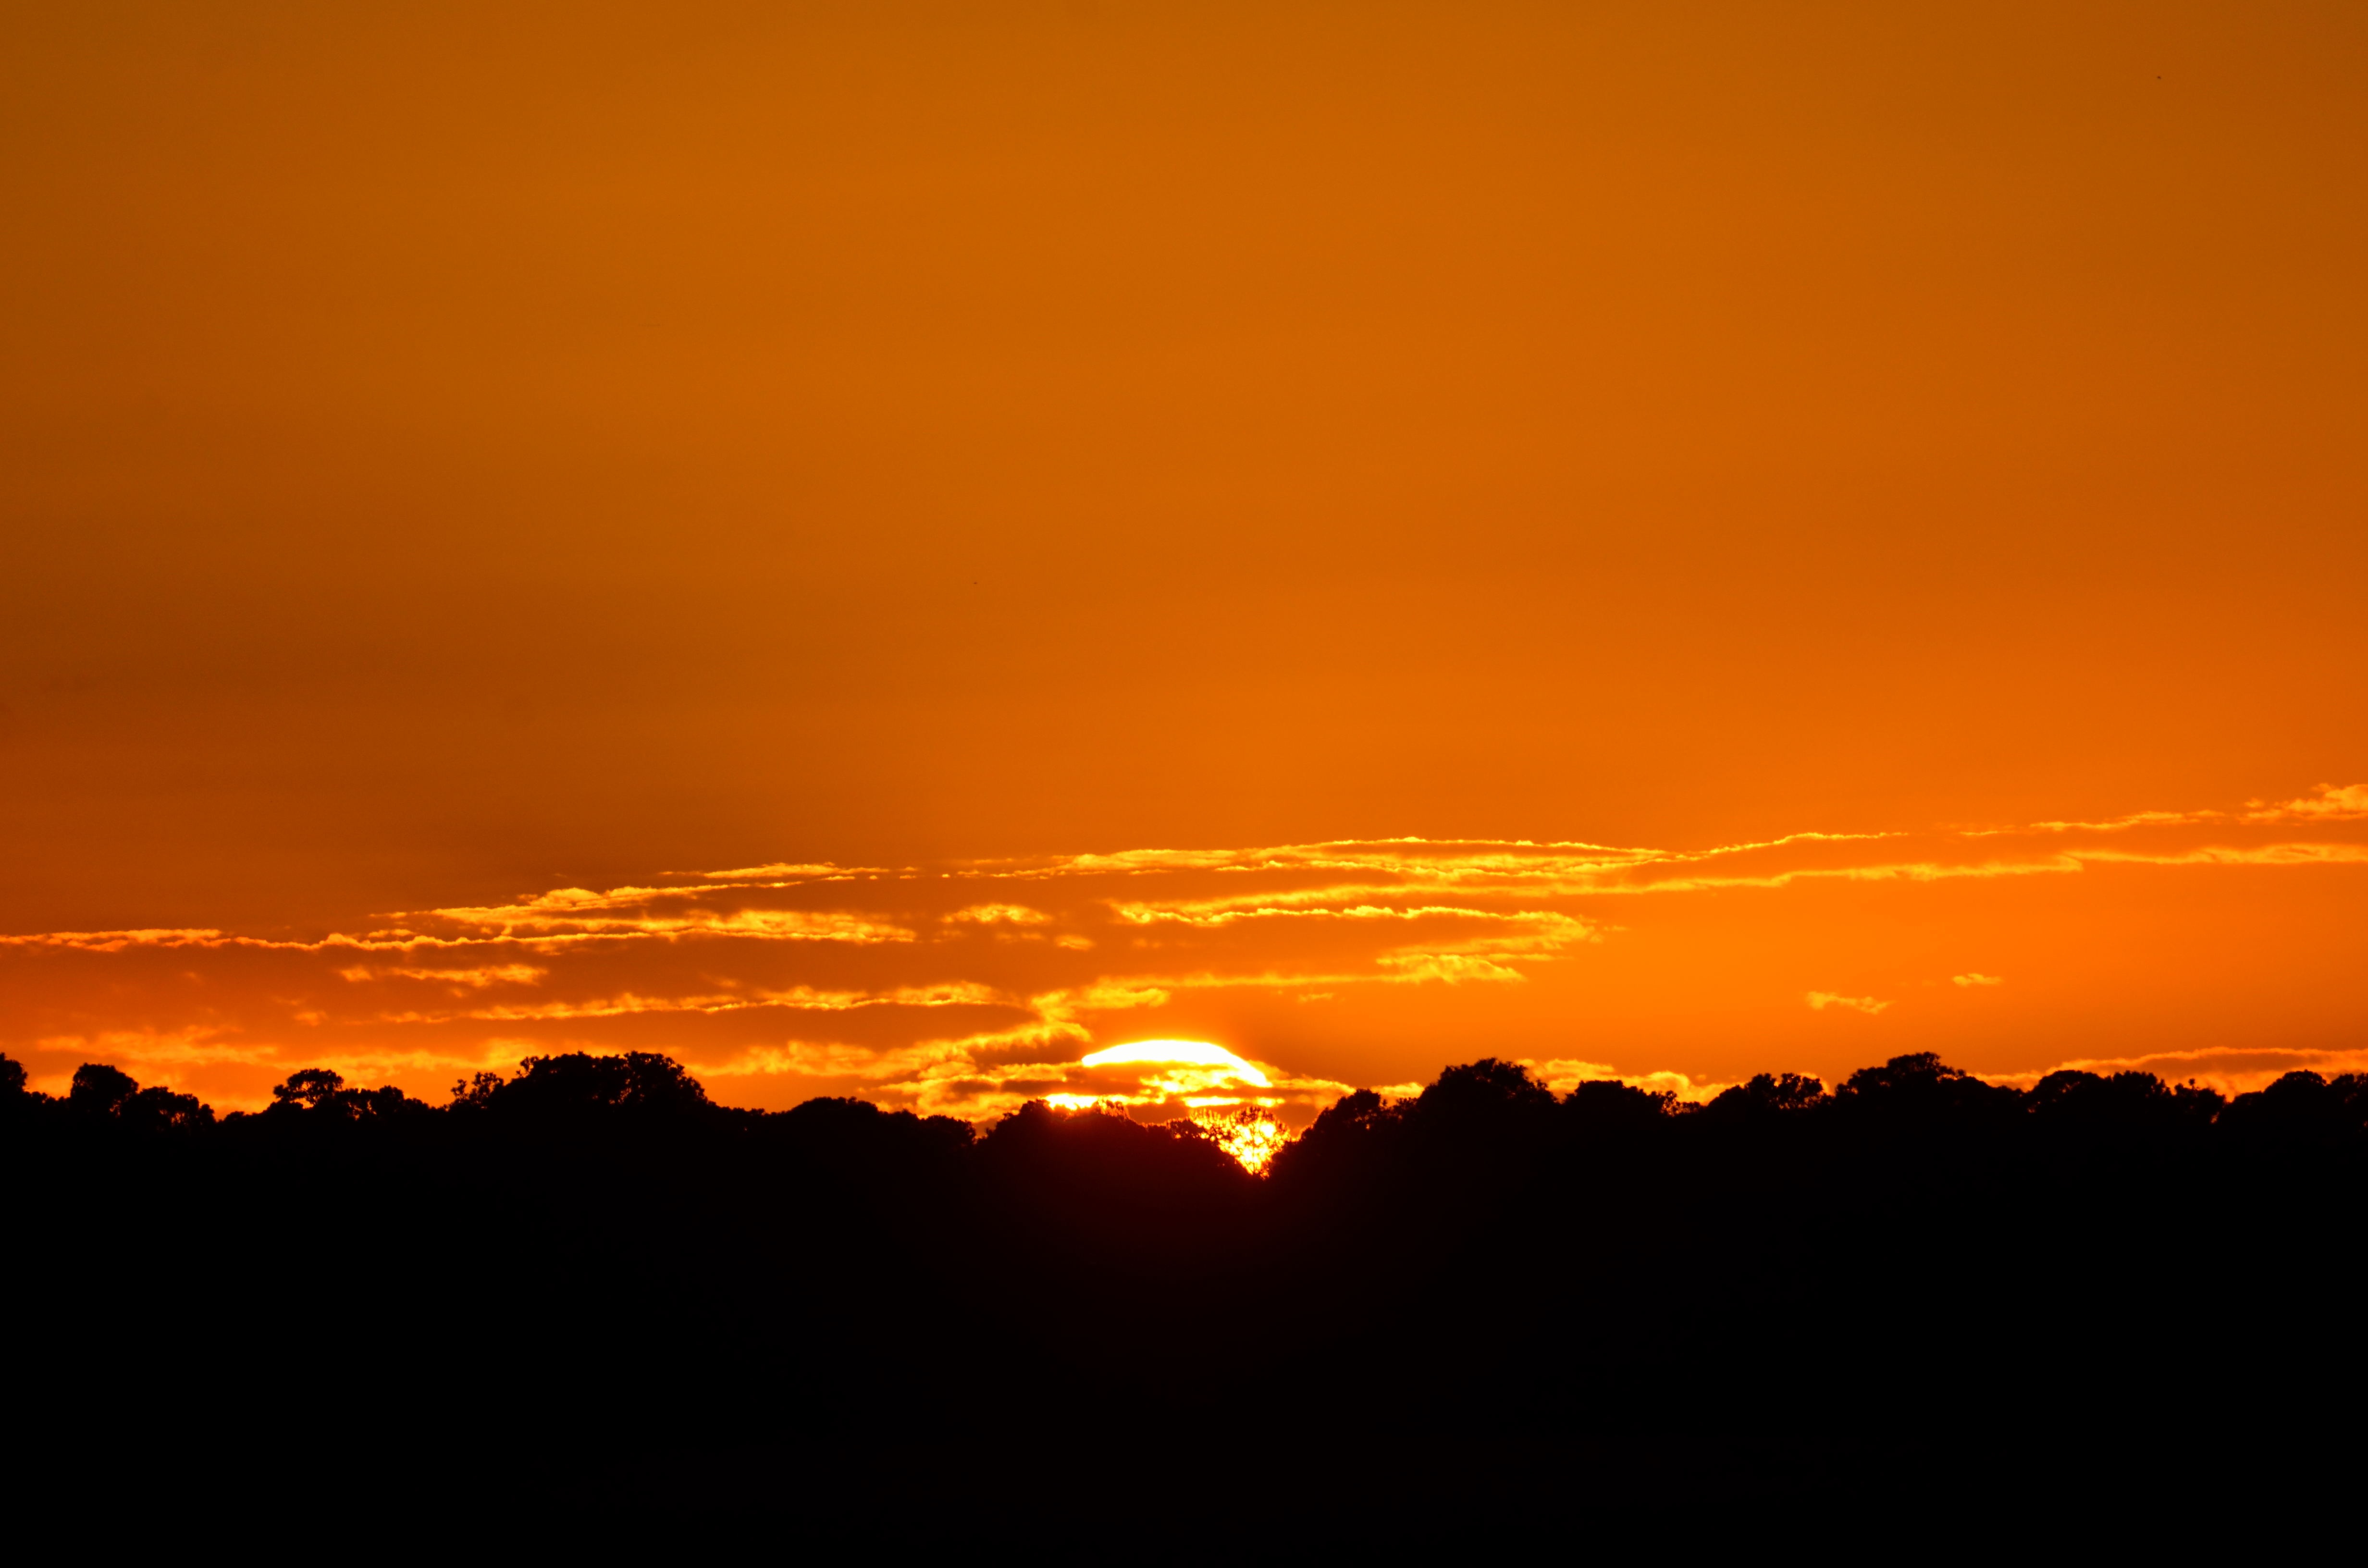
(947, 454)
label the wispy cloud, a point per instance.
(808, 976)
(999, 915)
(480, 978)
(1563, 1074)
(116, 941)
(162, 1056)
(2232, 1069)
(667, 913)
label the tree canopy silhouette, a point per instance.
(1485, 1303)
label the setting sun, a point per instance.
(1177, 1053)
(1700, 546)
(1251, 1135)
(697, 700)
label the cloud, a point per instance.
(2120, 824)
(2237, 855)
(717, 967)
(1158, 1079)
(952, 993)
(2232, 1069)
(1451, 969)
(999, 915)
(1106, 995)
(1563, 1074)
(786, 874)
(2347, 802)
(829, 1059)
(117, 941)
(1821, 1000)
(2331, 803)
(479, 978)
(164, 1056)
(575, 912)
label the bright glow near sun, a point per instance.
(1207, 1079)
(1251, 1135)
(1180, 1052)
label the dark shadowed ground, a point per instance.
(587, 1300)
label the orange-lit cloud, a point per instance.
(478, 979)
(2349, 803)
(1563, 1074)
(2230, 1070)
(885, 551)
(1001, 915)
(790, 981)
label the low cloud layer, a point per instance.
(966, 988)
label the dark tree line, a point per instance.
(587, 1292)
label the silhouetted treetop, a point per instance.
(2301, 1106)
(1920, 1087)
(1457, 1302)
(856, 1135)
(1040, 1143)
(1487, 1091)
(1348, 1139)
(2088, 1101)
(1767, 1095)
(1605, 1106)
(308, 1087)
(1489, 1119)
(102, 1093)
(100, 1090)
(160, 1108)
(579, 1084)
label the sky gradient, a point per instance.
(880, 549)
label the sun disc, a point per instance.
(1176, 1052)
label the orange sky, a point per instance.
(453, 454)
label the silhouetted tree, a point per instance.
(640, 1082)
(475, 1092)
(1767, 1094)
(308, 1088)
(1487, 1303)
(160, 1108)
(100, 1090)
(1921, 1091)
(1607, 1107)
(1106, 1165)
(855, 1136)
(316, 1094)
(1481, 1122)
(20, 1106)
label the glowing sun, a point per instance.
(1208, 1080)
(1178, 1053)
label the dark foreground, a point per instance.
(587, 1300)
